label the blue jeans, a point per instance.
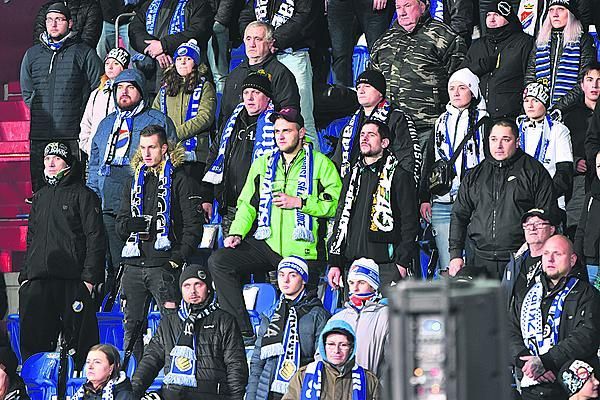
(592, 273)
(219, 63)
(440, 221)
(107, 39)
(298, 62)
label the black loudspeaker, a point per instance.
(448, 342)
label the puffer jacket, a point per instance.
(221, 368)
(417, 66)
(100, 104)
(199, 126)
(491, 200)
(56, 86)
(66, 238)
(121, 390)
(185, 225)
(312, 319)
(512, 273)
(87, 20)
(588, 56)
(110, 187)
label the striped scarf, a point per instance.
(564, 78)
(313, 382)
(177, 23)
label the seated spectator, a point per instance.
(12, 386)
(86, 16)
(378, 190)
(160, 27)
(577, 379)
(200, 347)
(247, 135)
(562, 49)
(101, 101)
(587, 237)
(281, 211)
(465, 109)
(526, 265)
(491, 200)
(533, 14)
(187, 96)
(500, 59)
(543, 136)
(404, 142)
(288, 339)
(367, 315)
(258, 45)
(577, 119)
(417, 55)
(337, 376)
(105, 380)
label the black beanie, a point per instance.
(504, 8)
(59, 149)
(259, 80)
(373, 78)
(195, 271)
(59, 8)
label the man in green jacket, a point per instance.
(281, 212)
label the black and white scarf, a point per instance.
(382, 218)
(107, 390)
(283, 14)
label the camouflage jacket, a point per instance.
(417, 66)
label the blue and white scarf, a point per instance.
(54, 46)
(107, 390)
(303, 225)
(163, 214)
(313, 382)
(283, 14)
(117, 148)
(565, 76)
(192, 110)
(264, 142)
(349, 132)
(183, 356)
(543, 142)
(177, 23)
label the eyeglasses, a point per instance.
(535, 225)
(58, 20)
(342, 346)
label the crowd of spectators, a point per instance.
(164, 175)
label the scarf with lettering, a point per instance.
(313, 381)
(566, 74)
(177, 23)
(526, 124)
(283, 14)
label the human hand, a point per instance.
(285, 201)
(333, 277)
(89, 286)
(136, 224)
(232, 241)
(208, 211)
(426, 211)
(403, 271)
(581, 166)
(533, 367)
(379, 4)
(154, 48)
(456, 264)
(4, 382)
(164, 60)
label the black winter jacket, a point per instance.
(579, 332)
(587, 237)
(186, 221)
(592, 138)
(87, 21)
(458, 15)
(490, 202)
(285, 90)
(500, 61)
(65, 237)
(111, 9)
(56, 87)
(221, 369)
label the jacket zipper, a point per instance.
(555, 64)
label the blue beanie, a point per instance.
(190, 49)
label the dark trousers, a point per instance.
(227, 266)
(47, 307)
(480, 267)
(114, 248)
(544, 392)
(36, 159)
(139, 282)
(343, 16)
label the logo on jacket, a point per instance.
(511, 178)
(77, 306)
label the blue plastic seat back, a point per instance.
(330, 298)
(237, 56)
(266, 299)
(13, 326)
(40, 373)
(360, 59)
(328, 137)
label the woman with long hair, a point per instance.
(562, 49)
(187, 96)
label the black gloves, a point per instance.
(136, 224)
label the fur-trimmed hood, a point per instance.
(176, 152)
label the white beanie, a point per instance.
(365, 269)
(466, 77)
(296, 263)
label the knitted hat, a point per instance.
(290, 114)
(538, 91)
(573, 375)
(259, 80)
(59, 8)
(59, 149)
(119, 54)
(466, 77)
(190, 49)
(504, 8)
(568, 4)
(365, 269)
(295, 263)
(373, 78)
(195, 271)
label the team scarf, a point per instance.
(107, 390)
(382, 218)
(349, 132)
(539, 338)
(177, 23)
(183, 356)
(566, 74)
(528, 12)
(282, 340)
(542, 147)
(119, 141)
(446, 149)
(53, 180)
(163, 215)
(313, 381)
(303, 223)
(283, 14)
(193, 107)
(54, 46)
(264, 141)
(358, 300)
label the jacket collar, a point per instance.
(505, 163)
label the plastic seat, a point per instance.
(237, 56)
(329, 136)
(153, 322)
(110, 325)
(260, 299)
(13, 325)
(360, 59)
(330, 298)
(40, 373)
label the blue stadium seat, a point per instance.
(360, 58)
(110, 325)
(40, 373)
(237, 56)
(14, 330)
(266, 299)
(328, 137)
(153, 321)
(330, 298)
